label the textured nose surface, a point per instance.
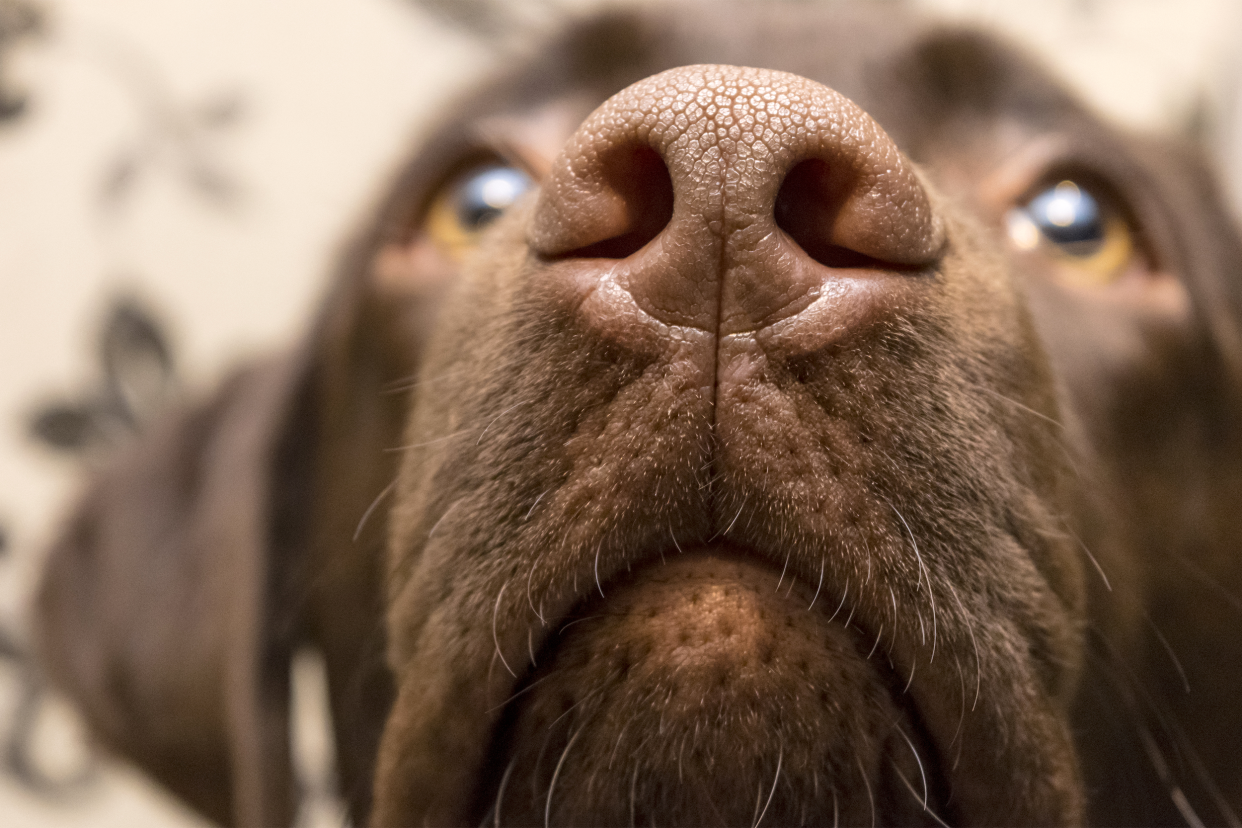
(727, 198)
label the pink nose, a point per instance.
(726, 198)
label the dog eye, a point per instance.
(471, 201)
(1082, 231)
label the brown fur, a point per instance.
(952, 546)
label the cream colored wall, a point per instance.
(331, 92)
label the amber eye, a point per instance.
(1083, 232)
(471, 201)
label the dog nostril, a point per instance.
(806, 208)
(640, 182)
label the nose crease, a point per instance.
(729, 196)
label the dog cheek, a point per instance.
(1028, 407)
(453, 377)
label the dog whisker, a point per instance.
(923, 573)
(820, 585)
(530, 573)
(1137, 698)
(598, 585)
(970, 629)
(531, 511)
(496, 419)
(495, 637)
(1020, 406)
(1211, 583)
(867, 785)
(961, 717)
(633, 796)
(1168, 649)
(1094, 562)
(435, 441)
(733, 522)
(500, 792)
(443, 517)
(775, 778)
(528, 687)
(617, 744)
(919, 761)
(1205, 778)
(370, 509)
(416, 381)
(923, 801)
(1166, 776)
(784, 569)
(547, 812)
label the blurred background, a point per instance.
(197, 164)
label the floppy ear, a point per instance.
(232, 533)
(1206, 251)
(163, 610)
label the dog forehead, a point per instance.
(912, 74)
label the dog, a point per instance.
(790, 414)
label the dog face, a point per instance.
(759, 454)
(844, 439)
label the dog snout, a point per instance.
(728, 199)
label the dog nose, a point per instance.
(727, 199)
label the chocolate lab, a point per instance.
(851, 439)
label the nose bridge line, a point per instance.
(722, 247)
(731, 150)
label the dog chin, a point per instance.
(711, 689)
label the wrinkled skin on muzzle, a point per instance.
(742, 474)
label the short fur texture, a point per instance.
(741, 472)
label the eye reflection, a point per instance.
(1064, 215)
(486, 193)
(464, 207)
(1081, 231)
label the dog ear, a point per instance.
(1208, 249)
(230, 534)
(162, 609)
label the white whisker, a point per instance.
(367, 514)
(779, 758)
(530, 602)
(923, 571)
(970, 628)
(531, 511)
(547, 809)
(500, 793)
(495, 637)
(922, 802)
(496, 419)
(919, 761)
(867, 785)
(844, 594)
(443, 517)
(598, 585)
(820, 584)
(430, 442)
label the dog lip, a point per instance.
(709, 614)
